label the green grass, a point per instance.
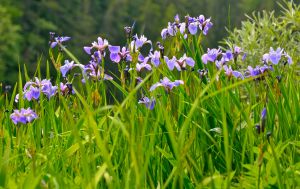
(200, 135)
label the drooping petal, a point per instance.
(204, 58)
(87, 49)
(115, 57)
(190, 62)
(193, 28)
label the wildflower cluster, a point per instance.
(191, 25)
(23, 116)
(131, 59)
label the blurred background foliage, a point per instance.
(25, 24)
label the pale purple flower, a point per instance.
(116, 55)
(23, 116)
(206, 26)
(184, 60)
(32, 93)
(137, 43)
(229, 72)
(171, 63)
(32, 89)
(66, 89)
(66, 67)
(275, 56)
(193, 28)
(211, 55)
(149, 103)
(167, 84)
(96, 72)
(100, 45)
(155, 58)
(59, 40)
(143, 64)
(227, 56)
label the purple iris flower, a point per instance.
(100, 45)
(32, 89)
(229, 72)
(32, 93)
(116, 55)
(23, 116)
(253, 71)
(227, 56)
(66, 89)
(155, 58)
(137, 43)
(59, 40)
(49, 90)
(143, 64)
(167, 84)
(193, 28)
(211, 55)
(68, 66)
(171, 63)
(184, 60)
(149, 103)
(96, 72)
(206, 26)
(275, 56)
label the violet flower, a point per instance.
(137, 43)
(229, 72)
(149, 103)
(32, 89)
(167, 84)
(66, 89)
(23, 116)
(275, 56)
(116, 55)
(100, 45)
(211, 55)
(143, 64)
(95, 72)
(155, 58)
(59, 40)
(68, 66)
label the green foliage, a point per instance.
(265, 30)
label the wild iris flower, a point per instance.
(149, 103)
(137, 43)
(167, 84)
(58, 40)
(275, 56)
(229, 72)
(155, 58)
(32, 89)
(211, 55)
(66, 89)
(23, 116)
(95, 72)
(116, 55)
(68, 66)
(179, 64)
(100, 46)
(143, 64)
(258, 70)
(192, 24)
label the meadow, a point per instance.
(167, 114)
